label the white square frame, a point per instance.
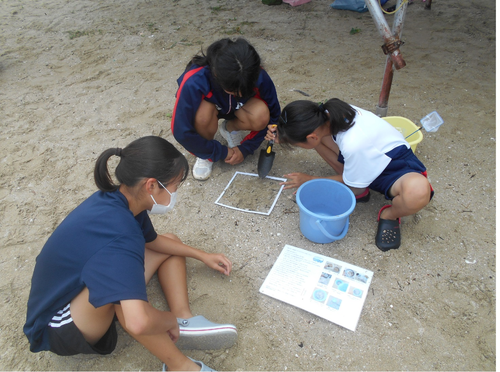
(247, 210)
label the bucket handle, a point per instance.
(330, 236)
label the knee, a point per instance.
(202, 121)
(205, 120)
(259, 116)
(263, 119)
(206, 128)
(417, 193)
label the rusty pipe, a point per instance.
(397, 29)
(383, 99)
(391, 39)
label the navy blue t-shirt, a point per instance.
(99, 245)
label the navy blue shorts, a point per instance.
(229, 116)
(403, 161)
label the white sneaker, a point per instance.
(199, 333)
(202, 169)
(202, 365)
(233, 138)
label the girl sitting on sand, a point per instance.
(97, 262)
(366, 152)
(226, 83)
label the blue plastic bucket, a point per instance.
(325, 206)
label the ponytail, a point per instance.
(102, 177)
(341, 115)
(146, 157)
(300, 118)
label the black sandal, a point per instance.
(388, 233)
(364, 197)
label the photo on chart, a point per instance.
(319, 295)
(330, 266)
(324, 278)
(340, 285)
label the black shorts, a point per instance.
(67, 340)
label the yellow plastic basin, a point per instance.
(406, 127)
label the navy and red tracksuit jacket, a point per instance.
(196, 84)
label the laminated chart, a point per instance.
(329, 288)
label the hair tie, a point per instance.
(118, 152)
(283, 117)
(321, 107)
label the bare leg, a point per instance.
(162, 347)
(172, 277)
(411, 192)
(254, 116)
(92, 322)
(206, 121)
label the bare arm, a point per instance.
(329, 151)
(173, 247)
(140, 318)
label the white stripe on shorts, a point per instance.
(62, 317)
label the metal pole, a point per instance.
(392, 42)
(392, 39)
(383, 99)
(399, 18)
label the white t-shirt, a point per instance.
(364, 146)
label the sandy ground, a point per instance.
(78, 77)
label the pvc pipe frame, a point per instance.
(394, 59)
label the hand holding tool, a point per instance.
(266, 159)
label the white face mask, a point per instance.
(160, 208)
